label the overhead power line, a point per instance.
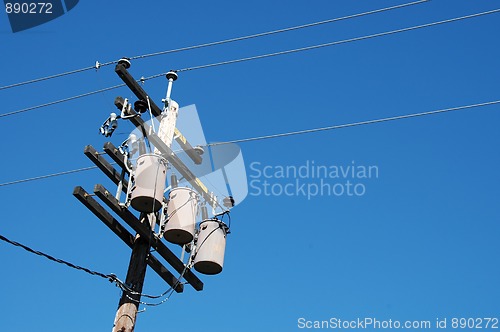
(345, 41)
(110, 277)
(225, 41)
(356, 124)
(292, 133)
(46, 78)
(216, 64)
(87, 94)
(298, 27)
(31, 108)
(48, 176)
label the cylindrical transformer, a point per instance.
(181, 210)
(210, 247)
(150, 176)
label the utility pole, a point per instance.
(144, 187)
(129, 302)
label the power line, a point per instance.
(110, 277)
(265, 56)
(225, 41)
(46, 78)
(298, 27)
(47, 176)
(143, 79)
(308, 48)
(292, 133)
(356, 124)
(61, 100)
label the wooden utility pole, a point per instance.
(129, 303)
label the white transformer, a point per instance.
(182, 209)
(210, 247)
(150, 176)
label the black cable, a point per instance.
(170, 291)
(110, 277)
(228, 213)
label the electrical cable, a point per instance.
(355, 124)
(61, 100)
(170, 290)
(298, 27)
(110, 277)
(308, 48)
(299, 132)
(142, 79)
(225, 41)
(224, 213)
(46, 78)
(47, 176)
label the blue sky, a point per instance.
(420, 244)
